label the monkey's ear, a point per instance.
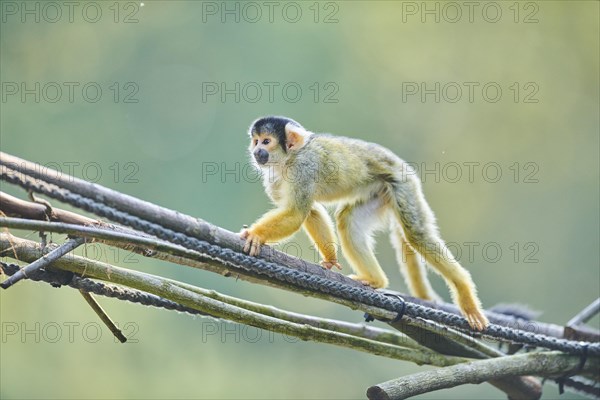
(295, 136)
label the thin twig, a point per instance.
(586, 314)
(103, 316)
(43, 261)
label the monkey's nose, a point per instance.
(261, 156)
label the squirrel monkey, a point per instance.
(372, 187)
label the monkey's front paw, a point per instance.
(253, 242)
(331, 264)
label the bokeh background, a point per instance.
(180, 83)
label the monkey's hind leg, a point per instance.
(319, 227)
(412, 266)
(355, 224)
(420, 231)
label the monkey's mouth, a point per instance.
(261, 157)
(262, 162)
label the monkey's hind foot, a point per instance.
(331, 264)
(476, 319)
(368, 281)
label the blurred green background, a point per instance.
(180, 83)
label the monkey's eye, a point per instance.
(266, 141)
(255, 142)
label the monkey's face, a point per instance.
(273, 139)
(265, 149)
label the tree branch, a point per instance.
(449, 341)
(15, 207)
(549, 364)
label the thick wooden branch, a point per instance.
(449, 341)
(548, 364)
(15, 207)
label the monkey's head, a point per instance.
(272, 139)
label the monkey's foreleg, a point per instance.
(275, 225)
